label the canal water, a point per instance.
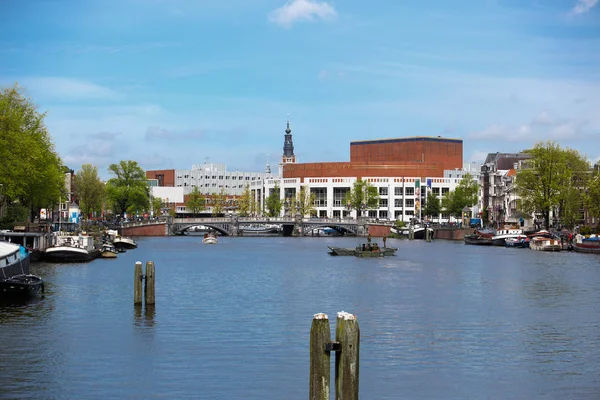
(439, 320)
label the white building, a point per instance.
(399, 198)
(211, 178)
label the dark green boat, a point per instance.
(363, 250)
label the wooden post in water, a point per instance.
(137, 283)
(411, 233)
(427, 234)
(149, 284)
(347, 333)
(320, 359)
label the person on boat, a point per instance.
(384, 239)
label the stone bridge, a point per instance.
(233, 226)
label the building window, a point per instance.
(383, 191)
(435, 191)
(383, 214)
(409, 213)
(398, 203)
(410, 191)
(398, 191)
(383, 203)
(410, 202)
(320, 196)
(445, 191)
(339, 196)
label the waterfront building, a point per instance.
(405, 172)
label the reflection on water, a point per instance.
(439, 320)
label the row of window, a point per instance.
(382, 203)
(227, 177)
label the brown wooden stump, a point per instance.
(137, 283)
(347, 333)
(149, 289)
(320, 359)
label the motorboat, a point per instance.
(124, 242)
(418, 231)
(15, 280)
(120, 242)
(584, 244)
(108, 250)
(363, 250)
(501, 236)
(70, 248)
(210, 238)
(14, 260)
(477, 239)
(543, 243)
(22, 285)
(521, 241)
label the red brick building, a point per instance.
(400, 157)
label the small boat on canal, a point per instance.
(108, 250)
(210, 238)
(478, 239)
(21, 286)
(363, 250)
(15, 280)
(71, 248)
(583, 244)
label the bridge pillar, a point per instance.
(298, 228)
(235, 225)
(362, 229)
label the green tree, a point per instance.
(274, 203)
(304, 203)
(465, 195)
(574, 180)
(31, 172)
(363, 196)
(454, 202)
(219, 200)
(195, 202)
(592, 197)
(433, 207)
(89, 190)
(128, 190)
(157, 205)
(245, 202)
(548, 181)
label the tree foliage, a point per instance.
(219, 200)
(157, 205)
(465, 195)
(245, 202)
(305, 200)
(551, 179)
(31, 171)
(195, 201)
(128, 190)
(89, 190)
(273, 201)
(433, 206)
(363, 196)
(592, 197)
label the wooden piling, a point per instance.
(137, 283)
(149, 283)
(320, 359)
(347, 333)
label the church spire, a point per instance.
(288, 145)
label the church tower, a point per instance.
(288, 156)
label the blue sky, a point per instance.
(170, 83)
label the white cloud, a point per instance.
(584, 6)
(67, 88)
(543, 126)
(302, 10)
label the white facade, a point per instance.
(399, 198)
(211, 178)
